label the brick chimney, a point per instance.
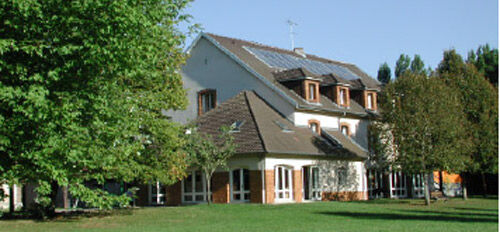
(300, 51)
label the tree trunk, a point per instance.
(485, 186)
(427, 191)
(65, 197)
(12, 204)
(464, 190)
(208, 178)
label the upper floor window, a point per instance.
(371, 101)
(343, 96)
(312, 91)
(207, 100)
(344, 128)
(314, 126)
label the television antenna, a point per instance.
(291, 24)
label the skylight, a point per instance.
(283, 127)
(236, 126)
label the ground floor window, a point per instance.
(240, 185)
(310, 186)
(156, 194)
(283, 183)
(375, 183)
(418, 185)
(194, 187)
(398, 185)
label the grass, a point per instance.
(476, 214)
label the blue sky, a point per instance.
(366, 33)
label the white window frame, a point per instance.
(312, 94)
(369, 99)
(242, 190)
(156, 195)
(314, 127)
(398, 189)
(193, 194)
(286, 172)
(346, 130)
(418, 185)
(342, 98)
(314, 191)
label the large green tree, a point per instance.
(384, 73)
(82, 89)
(417, 65)
(402, 65)
(480, 104)
(427, 125)
(486, 61)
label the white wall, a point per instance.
(209, 67)
(326, 121)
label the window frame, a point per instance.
(194, 193)
(158, 195)
(287, 172)
(241, 192)
(310, 122)
(212, 95)
(315, 192)
(346, 125)
(307, 91)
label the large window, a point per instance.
(207, 100)
(156, 194)
(194, 188)
(240, 185)
(311, 188)
(375, 184)
(283, 183)
(418, 185)
(398, 185)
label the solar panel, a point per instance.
(285, 61)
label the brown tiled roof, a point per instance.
(237, 48)
(295, 74)
(262, 132)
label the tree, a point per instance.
(384, 73)
(417, 65)
(208, 153)
(426, 120)
(402, 65)
(82, 88)
(480, 104)
(486, 61)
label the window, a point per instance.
(312, 89)
(156, 194)
(240, 185)
(344, 128)
(343, 96)
(283, 127)
(342, 176)
(236, 126)
(371, 102)
(398, 185)
(310, 187)
(283, 183)
(375, 184)
(315, 126)
(207, 100)
(418, 185)
(194, 188)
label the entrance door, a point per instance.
(311, 188)
(240, 185)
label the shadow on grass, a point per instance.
(481, 214)
(69, 216)
(476, 209)
(395, 216)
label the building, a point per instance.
(301, 124)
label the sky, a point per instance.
(365, 33)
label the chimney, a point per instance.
(300, 51)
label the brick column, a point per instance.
(220, 187)
(269, 178)
(255, 186)
(297, 185)
(174, 194)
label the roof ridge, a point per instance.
(254, 119)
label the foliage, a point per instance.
(402, 65)
(480, 104)
(210, 153)
(417, 65)
(384, 73)
(486, 61)
(380, 141)
(82, 89)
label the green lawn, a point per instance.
(379, 215)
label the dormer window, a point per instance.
(311, 91)
(370, 100)
(207, 100)
(314, 126)
(236, 126)
(344, 129)
(343, 96)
